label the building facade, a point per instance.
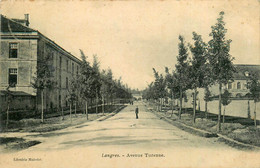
(21, 49)
(239, 86)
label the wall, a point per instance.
(18, 103)
(60, 73)
(235, 108)
(25, 64)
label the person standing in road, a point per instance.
(136, 112)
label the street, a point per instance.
(124, 130)
(123, 140)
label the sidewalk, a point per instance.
(25, 138)
(166, 116)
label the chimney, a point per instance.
(26, 18)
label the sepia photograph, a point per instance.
(130, 84)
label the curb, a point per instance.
(235, 143)
(190, 129)
(206, 134)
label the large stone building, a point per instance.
(238, 87)
(21, 48)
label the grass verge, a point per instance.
(236, 128)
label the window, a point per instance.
(238, 85)
(245, 86)
(60, 62)
(77, 70)
(12, 77)
(229, 85)
(60, 72)
(52, 56)
(72, 69)
(60, 101)
(13, 48)
(67, 82)
(67, 65)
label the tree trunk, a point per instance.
(7, 115)
(103, 104)
(172, 104)
(184, 106)
(87, 109)
(180, 108)
(75, 108)
(219, 108)
(248, 110)
(160, 104)
(206, 109)
(224, 114)
(62, 114)
(255, 116)
(36, 105)
(157, 105)
(70, 113)
(199, 105)
(163, 100)
(194, 106)
(96, 102)
(42, 106)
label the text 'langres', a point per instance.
(131, 155)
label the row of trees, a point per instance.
(209, 64)
(90, 83)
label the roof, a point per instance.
(244, 69)
(15, 25)
(59, 47)
(15, 93)
(12, 25)
(22, 21)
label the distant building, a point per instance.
(239, 86)
(21, 47)
(137, 96)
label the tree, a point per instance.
(110, 84)
(222, 68)
(9, 98)
(255, 90)
(172, 84)
(149, 93)
(198, 67)
(225, 101)
(103, 89)
(43, 78)
(169, 83)
(72, 96)
(74, 91)
(96, 79)
(182, 70)
(207, 98)
(160, 87)
(248, 110)
(85, 81)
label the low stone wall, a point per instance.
(238, 108)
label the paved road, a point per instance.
(144, 142)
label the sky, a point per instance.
(132, 37)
